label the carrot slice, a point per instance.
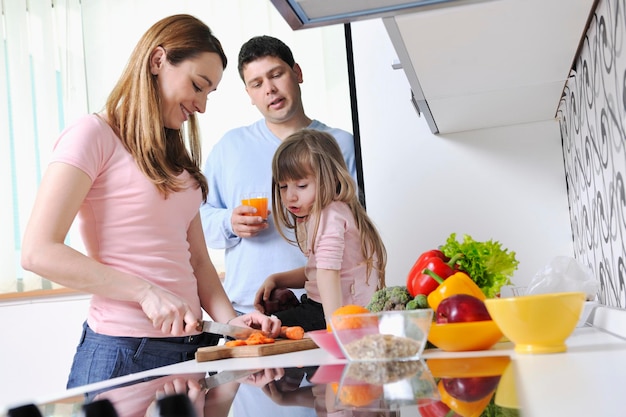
(232, 343)
(292, 332)
(254, 339)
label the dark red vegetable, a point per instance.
(461, 308)
(280, 299)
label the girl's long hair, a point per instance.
(133, 108)
(316, 153)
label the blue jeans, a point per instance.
(100, 357)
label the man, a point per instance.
(240, 163)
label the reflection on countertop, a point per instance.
(468, 386)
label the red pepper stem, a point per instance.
(453, 260)
(450, 413)
(433, 275)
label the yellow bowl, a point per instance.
(538, 323)
(506, 393)
(460, 337)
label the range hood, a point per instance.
(302, 14)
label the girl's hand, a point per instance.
(168, 312)
(263, 294)
(257, 320)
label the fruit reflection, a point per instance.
(358, 395)
(464, 408)
(470, 389)
(466, 386)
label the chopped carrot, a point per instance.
(254, 339)
(292, 332)
(258, 339)
(232, 343)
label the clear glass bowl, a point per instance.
(382, 336)
(382, 386)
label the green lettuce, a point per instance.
(487, 263)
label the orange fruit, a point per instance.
(348, 322)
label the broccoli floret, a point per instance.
(420, 301)
(389, 298)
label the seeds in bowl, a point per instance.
(382, 346)
(384, 372)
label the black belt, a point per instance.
(207, 339)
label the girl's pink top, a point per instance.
(338, 247)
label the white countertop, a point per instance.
(587, 380)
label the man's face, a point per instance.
(274, 88)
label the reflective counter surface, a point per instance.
(587, 380)
(479, 386)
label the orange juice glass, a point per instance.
(258, 201)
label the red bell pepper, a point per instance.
(420, 264)
(420, 283)
(434, 253)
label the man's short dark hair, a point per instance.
(262, 46)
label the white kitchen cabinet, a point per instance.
(493, 63)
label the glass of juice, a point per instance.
(257, 200)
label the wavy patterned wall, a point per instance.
(593, 129)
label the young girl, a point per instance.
(314, 195)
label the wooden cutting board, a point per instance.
(211, 353)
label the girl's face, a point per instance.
(183, 88)
(298, 196)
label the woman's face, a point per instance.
(183, 88)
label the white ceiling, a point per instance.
(489, 64)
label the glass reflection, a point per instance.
(462, 387)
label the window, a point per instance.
(43, 86)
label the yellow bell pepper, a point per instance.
(458, 283)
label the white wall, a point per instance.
(506, 184)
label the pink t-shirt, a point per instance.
(338, 247)
(127, 224)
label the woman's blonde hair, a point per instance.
(133, 108)
(315, 153)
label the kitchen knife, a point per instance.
(226, 329)
(224, 377)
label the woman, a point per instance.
(131, 174)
